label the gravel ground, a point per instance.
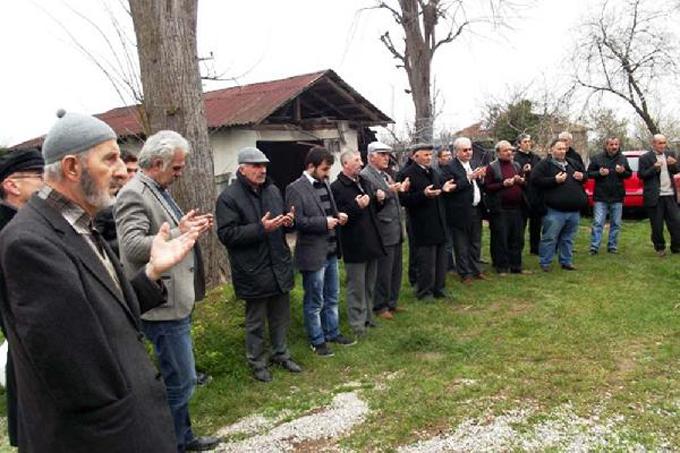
(345, 411)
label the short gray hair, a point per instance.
(54, 172)
(657, 137)
(162, 145)
(346, 155)
(462, 142)
(565, 135)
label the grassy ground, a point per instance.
(605, 337)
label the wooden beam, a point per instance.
(297, 110)
(327, 103)
(344, 93)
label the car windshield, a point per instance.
(633, 162)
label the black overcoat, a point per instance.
(360, 238)
(651, 178)
(427, 216)
(85, 380)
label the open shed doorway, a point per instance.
(287, 160)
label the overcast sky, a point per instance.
(259, 40)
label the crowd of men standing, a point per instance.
(96, 255)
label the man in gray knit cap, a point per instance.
(84, 378)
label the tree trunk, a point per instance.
(173, 99)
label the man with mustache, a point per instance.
(142, 206)
(85, 381)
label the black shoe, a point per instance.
(440, 295)
(322, 350)
(568, 267)
(344, 341)
(613, 251)
(593, 252)
(202, 443)
(371, 324)
(262, 374)
(288, 364)
(203, 378)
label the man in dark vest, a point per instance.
(251, 223)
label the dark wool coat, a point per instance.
(651, 179)
(458, 203)
(85, 380)
(261, 263)
(427, 215)
(609, 188)
(360, 237)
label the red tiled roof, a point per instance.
(235, 106)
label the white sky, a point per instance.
(268, 39)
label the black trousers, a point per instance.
(535, 223)
(275, 311)
(467, 245)
(431, 263)
(388, 281)
(665, 210)
(412, 267)
(507, 237)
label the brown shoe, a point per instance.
(467, 281)
(481, 276)
(385, 315)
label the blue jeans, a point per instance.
(559, 230)
(320, 302)
(599, 216)
(172, 342)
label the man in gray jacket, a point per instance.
(142, 206)
(388, 282)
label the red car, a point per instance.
(633, 185)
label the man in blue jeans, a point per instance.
(609, 169)
(142, 206)
(561, 182)
(317, 249)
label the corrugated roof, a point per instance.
(242, 105)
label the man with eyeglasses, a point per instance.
(21, 175)
(656, 169)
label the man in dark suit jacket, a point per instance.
(656, 169)
(426, 211)
(317, 250)
(464, 211)
(85, 381)
(388, 280)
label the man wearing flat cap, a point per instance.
(21, 175)
(142, 207)
(84, 378)
(251, 223)
(428, 221)
(388, 280)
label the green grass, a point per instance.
(606, 336)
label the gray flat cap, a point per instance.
(420, 146)
(378, 147)
(251, 155)
(74, 133)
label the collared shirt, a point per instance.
(665, 187)
(82, 223)
(477, 197)
(310, 178)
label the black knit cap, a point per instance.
(20, 160)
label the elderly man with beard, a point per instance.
(560, 180)
(85, 381)
(251, 223)
(359, 239)
(142, 206)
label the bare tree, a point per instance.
(173, 99)
(427, 26)
(627, 51)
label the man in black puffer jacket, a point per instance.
(250, 223)
(561, 181)
(608, 169)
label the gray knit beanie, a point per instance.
(74, 133)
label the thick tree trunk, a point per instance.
(173, 99)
